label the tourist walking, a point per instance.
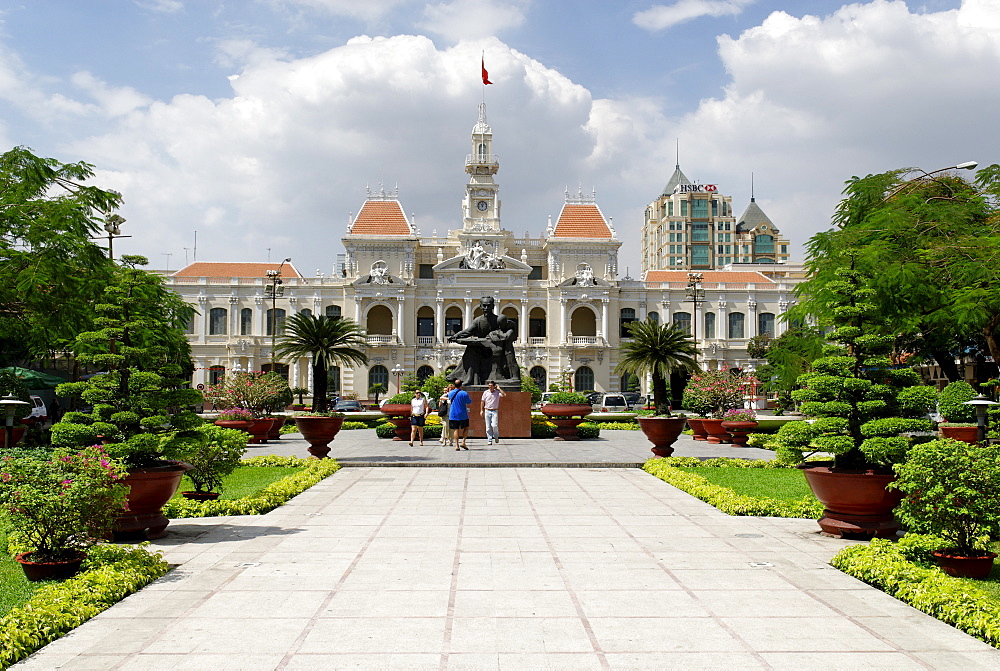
(458, 415)
(491, 411)
(418, 414)
(443, 414)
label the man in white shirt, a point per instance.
(491, 411)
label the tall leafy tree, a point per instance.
(52, 270)
(327, 341)
(657, 349)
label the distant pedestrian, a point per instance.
(443, 414)
(491, 411)
(418, 414)
(458, 415)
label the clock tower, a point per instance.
(481, 209)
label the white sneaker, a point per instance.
(489, 442)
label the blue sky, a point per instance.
(260, 123)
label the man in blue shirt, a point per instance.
(458, 414)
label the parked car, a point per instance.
(545, 397)
(38, 410)
(594, 397)
(611, 403)
(348, 406)
(634, 399)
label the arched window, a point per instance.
(710, 325)
(379, 320)
(246, 321)
(584, 379)
(536, 323)
(736, 322)
(378, 374)
(682, 320)
(276, 321)
(215, 374)
(583, 322)
(626, 317)
(537, 374)
(423, 373)
(654, 317)
(306, 311)
(217, 321)
(630, 382)
(333, 311)
(482, 151)
(765, 323)
(452, 320)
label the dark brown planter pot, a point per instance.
(399, 416)
(567, 417)
(238, 424)
(274, 433)
(16, 434)
(259, 429)
(717, 435)
(857, 504)
(739, 431)
(149, 489)
(318, 432)
(201, 496)
(967, 434)
(298, 407)
(697, 430)
(36, 571)
(961, 566)
(662, 432)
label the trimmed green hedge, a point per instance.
(267, 499)
(899, 569)
(111, 572)
(726, 499)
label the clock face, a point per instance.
(482, 205)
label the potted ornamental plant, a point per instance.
(713, 392)
(567, 409)
(214, 453)
(657, 350)
(255, 392)
(952, 491)
(318, 429)
(866, 414)
(57, 508)
(299, 392)
(959, 418)
(397, 411)
(738, 422)
(235, 418)
(141, 407)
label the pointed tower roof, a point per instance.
(675, 180)
(482, 127)
(581, 218)
(381, 215)
(752, 217)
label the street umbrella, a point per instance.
(36, 379)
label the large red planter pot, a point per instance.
(50, 570)
(274, 433)
(857, 503)
(149, 489)
(662, 432)
(697, 430)
(566, 417)
(398, 415)
(739, 431)
(259, 429)
(960, 566)
(967, 434)
(318, 432)
(717, 435)
(16, 434)
(238, 424)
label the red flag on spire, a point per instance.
(486, 75)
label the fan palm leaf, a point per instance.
(657, 350)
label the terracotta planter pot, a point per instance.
(16, 434)
(298, 407)
(698, 431)
(662, 432)
(259, 429)
(149, 489)
(399, 416)
(717, 435)
(238, 424)
(567, 417)
(274, 433)
(961, 566)
(318, 432)
(967, 434)
(739, 431)
(54, 570)
(201, 496)
(857, 502)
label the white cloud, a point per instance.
(661, 17)
(473, 19)
(113, 101)
(164, 6)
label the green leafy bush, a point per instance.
(620, 426)
(588, 430)
(353, 426)
(568, 398)
(542, 429)
(214, 452)
(951, 402)
(385, 430)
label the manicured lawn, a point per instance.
(245, 481)
(786, 484)
(14, 587)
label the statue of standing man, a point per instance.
(489, 351)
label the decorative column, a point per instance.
(780, 325)
(604, 319)
(259, 316)
(439, 320)
(468, 312)
(523, 327)
(400, 312)
(751, 330)
(357, 311)
(564, 326)
(642, 308)
(234, 315)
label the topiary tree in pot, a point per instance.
(959, 418)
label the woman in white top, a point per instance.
(418, 413)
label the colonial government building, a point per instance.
(410, 291)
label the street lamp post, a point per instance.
(113, 225)
(272, 291)
(10, 407)
(696, 293)
(968, 165)
(398, 371)
(981, 403)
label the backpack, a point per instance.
(443, 409)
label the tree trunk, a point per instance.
(319, 388)
(990, 334)
(946, 360)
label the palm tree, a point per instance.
(657, 349)
(326, 341)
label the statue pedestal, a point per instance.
(515, 414)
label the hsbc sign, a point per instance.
(695, 188)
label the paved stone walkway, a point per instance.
(505, 568)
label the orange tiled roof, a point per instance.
(581, 221)
(205, 269)
(381, 217)
(708, 276)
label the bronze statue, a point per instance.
(489, 351)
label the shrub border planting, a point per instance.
(111, 573)
(275, 494)
(723, 498)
